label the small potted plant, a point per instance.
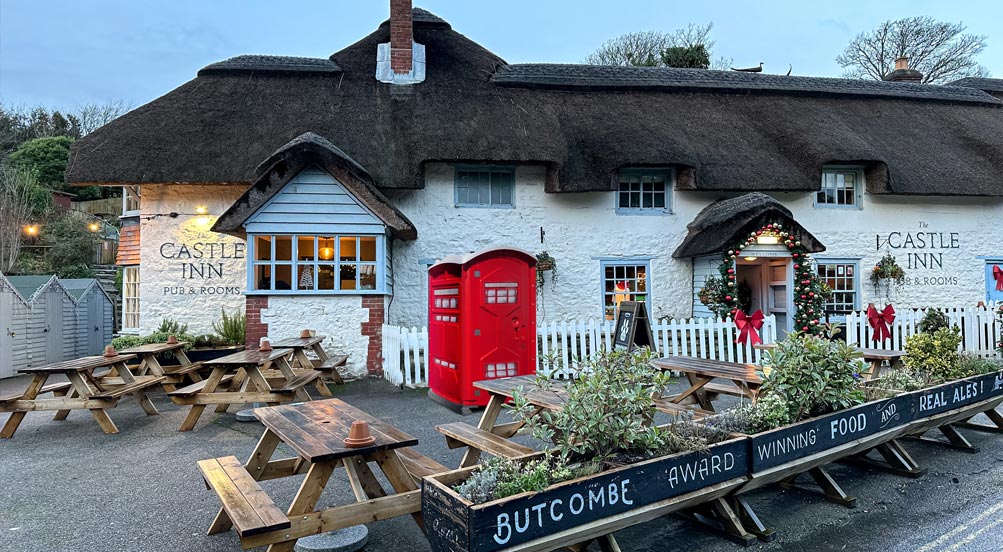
(545, 263)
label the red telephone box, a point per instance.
(481, 323)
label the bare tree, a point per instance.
(19, 201)
(939, 50)
(646, 47)
(93, 116)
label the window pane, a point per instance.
(367, 277)
(306, 276)
(262, 276)
(325, 277)
(367, 248)
(347, 276)
(325, 248)
(283, 248)
(660, 200)
(283, 276)
(263, 248)
(305, 248)
(348, 251)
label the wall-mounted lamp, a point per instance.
(201, 210)
(94, 227)
(750, 259)
(31, 230)
(767, 239)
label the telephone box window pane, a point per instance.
(283, 248)
(263, 248)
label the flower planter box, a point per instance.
(579, 509)
(815, 435)
(956, 394)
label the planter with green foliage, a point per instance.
(608, 462)
(228, 338)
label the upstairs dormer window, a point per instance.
(485, 186)
(644, 191)
(842, 187)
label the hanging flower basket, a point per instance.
(888, 269)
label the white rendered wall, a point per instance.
(170, 287)
(339, 317)
(583, 228)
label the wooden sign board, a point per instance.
(956, 394)
(454, 525)
(631, 315)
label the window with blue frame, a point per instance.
(842, 187)
(295, 264)
(843, 278)
(485, 186)
(994, 279)
(644, 191)
(624, 280)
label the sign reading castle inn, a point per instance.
(316, 192)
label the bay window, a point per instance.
(315, 264)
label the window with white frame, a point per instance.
(485, 186)
(130, 201)
(316, 264)
(644, 191)
(624, 281)
(843, 278)
(840, 188)
(130, 298)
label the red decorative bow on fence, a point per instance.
(998, 276)
(879, 321)
(748, 326)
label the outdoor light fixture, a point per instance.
(767, 239)
(94, 227)
(31, 230)
(751, 258)
(201, 210)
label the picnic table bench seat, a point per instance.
(419, 465)
(178, 370)
(666, 406)
(121, 388)
(300, 381)
(58, 388)
(196, 387)
(459, 434)
(724, 389)
(244, 501)
(334, 362)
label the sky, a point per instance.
(63, 54)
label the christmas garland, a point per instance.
(809, 292)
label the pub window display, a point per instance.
(315, 264)
(623, 281)
(842, 277)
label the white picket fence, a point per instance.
(980, 328)
(561, 345)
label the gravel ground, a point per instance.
(68, 487)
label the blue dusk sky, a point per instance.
(62, 54)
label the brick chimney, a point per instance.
(401, 61)
(401, 36)
(903, 73)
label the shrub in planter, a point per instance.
(932, 321)
(127, 342)
(768, 412)
(935, 354)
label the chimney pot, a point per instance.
(901, 62)
(903, 73)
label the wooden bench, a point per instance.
(666, 406)
(330, 368)
(724, 389)
(419, 465)
(181, 370)
(196, 387)
(460, 434)
(142, 382)
(299, 382)
(57, 388)
(244, 501)
(10, 398)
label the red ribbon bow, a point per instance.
(998, 276)
(748, 326)
(879, 322)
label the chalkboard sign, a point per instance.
(627, 336)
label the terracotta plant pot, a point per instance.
(110, 352)
(172, 340)
(359, 436)
(265, 345)
(306, 334)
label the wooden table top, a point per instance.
(505, 386)
(881, 354)
(244, 358)
(78, 365)
(316, 429)
(711, 368)
(299, 342)
(153, 348)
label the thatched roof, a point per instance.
(301, 152)
(991, 86)
(723, 223)
(724, 131)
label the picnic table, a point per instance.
(701, 372)
(83, 390)
(236, 373)
(328, 365)
(875, 357)
(173, 374)
(315, 431)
